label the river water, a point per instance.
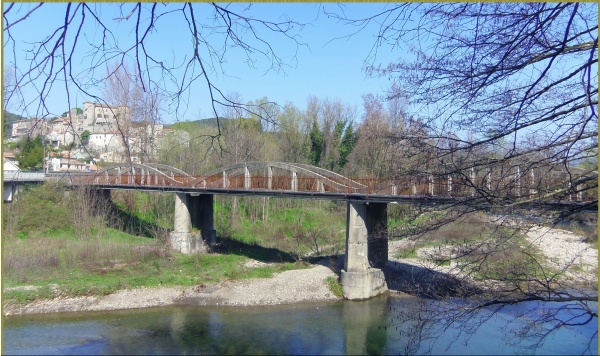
(383, 325)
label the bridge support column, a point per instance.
(366, 250)
(377, 238)
(10, 190)
(194, 223)
(182, 238)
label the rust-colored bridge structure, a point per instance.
(305, 181)
(367, 199)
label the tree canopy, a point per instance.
(499, 87)
(31, 156)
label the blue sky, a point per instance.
(326, 68)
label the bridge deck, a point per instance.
(437, 191)
(278, 179)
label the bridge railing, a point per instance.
(492, 182)
(20, 176)
(443, 186)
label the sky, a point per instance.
(329, 66)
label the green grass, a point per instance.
(26, 296)
(407, 253)
(116, 260)
(94, 259)
(335, 286)
(293, 227)
(441, 262)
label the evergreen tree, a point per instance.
(85, 137)
(316, 143)
(347, 145)
(333, 152)
(32, 154)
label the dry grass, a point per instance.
(36, 258)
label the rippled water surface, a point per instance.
(384, 325)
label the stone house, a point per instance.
(31, 128)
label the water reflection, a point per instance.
(385, 325)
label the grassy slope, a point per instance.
(113, 261)
(100, 260)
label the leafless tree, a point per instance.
(391, 144)
(241, 141)
(294, 126)
(508, 93)
(91, 211)
(191, 150)
(80, 44)
(499, 73)
(8, 87)
(142, 113)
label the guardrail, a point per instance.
(24, 176)
(20, 176)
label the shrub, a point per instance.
(42, 207)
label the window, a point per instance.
(99, 116)
(106, 116)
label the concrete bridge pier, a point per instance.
(366, 250)
(194, 223)
(10, 191)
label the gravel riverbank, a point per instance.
(295, 286)
(568, 251)
(562, 251)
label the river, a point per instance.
(383, 325)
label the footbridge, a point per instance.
(367, 199)
(254, 178)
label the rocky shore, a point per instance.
(296, 286)
(566, 249)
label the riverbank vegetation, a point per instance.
(58, 242)
(52, 247)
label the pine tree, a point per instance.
(347, 145)
(316, 143)
(32, 154)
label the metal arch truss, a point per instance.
(141, 174)
(277, 176)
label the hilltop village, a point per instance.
(81, 138)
